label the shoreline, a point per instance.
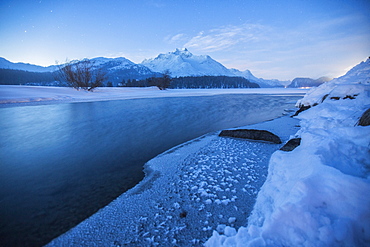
(176, 199)
(15, 95)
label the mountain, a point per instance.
(119, 69)
(180, 63)
(116, 69)
(262, 82)
(308, 82)
(183, 63)
(5, 64)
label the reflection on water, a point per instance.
(61, 163)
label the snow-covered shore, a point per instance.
(26, 95)
(317, 195)
(208, 183)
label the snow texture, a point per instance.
(317, 195)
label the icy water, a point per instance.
(61, 163)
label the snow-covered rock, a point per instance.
(316, 195)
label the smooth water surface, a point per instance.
(61, 163)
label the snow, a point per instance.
(316, 195)
(184, 63)
(355, 81)
(14, 94)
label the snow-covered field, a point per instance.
(11, 94)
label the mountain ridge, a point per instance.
(179, 63)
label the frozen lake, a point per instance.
(61, 163)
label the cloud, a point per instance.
(312, 48)
(226, 37)
(175, 38)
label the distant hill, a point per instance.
(5, 64)
(308, 82)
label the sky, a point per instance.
(273, 39)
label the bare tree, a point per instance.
(163, 82)
(82, 74)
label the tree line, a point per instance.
(20, 77)
(195, 82)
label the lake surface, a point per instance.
(61, 163)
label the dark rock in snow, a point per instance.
(291, 144)
(262, 135)
(335, 98)
(365, 118)
(301, 109)
(324, 98)
(350, 96)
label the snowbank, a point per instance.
(354, 82)
(10, 94)
(317, 195)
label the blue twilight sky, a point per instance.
(273, 39)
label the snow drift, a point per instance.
(316, 195)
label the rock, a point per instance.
(365, 118)
(291, 144)
(301, 109)
(324, 98)
(262, 135)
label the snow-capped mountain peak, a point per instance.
(183, 52)
(182, 62)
